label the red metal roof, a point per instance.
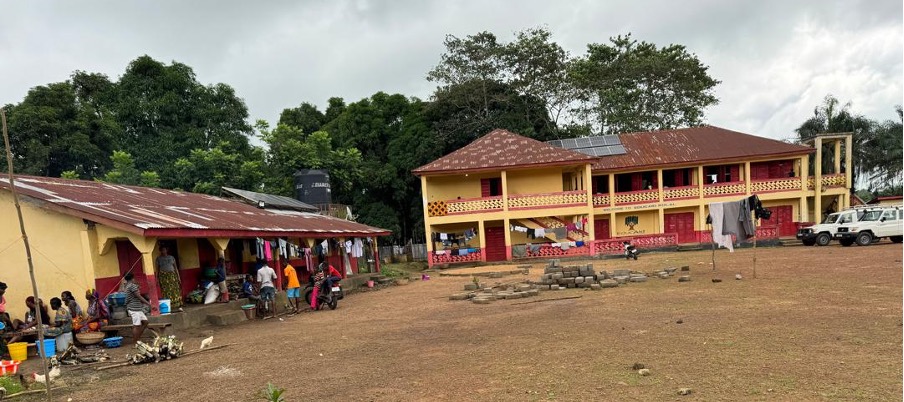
(169, 213)
(693, 145)
(502, 149)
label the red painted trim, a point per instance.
(240, 234)
(495, 197)
(516, 196)
(451, 172)
(547, 207)
(700, 162)
(508, 253)
(724, 195)
(471, 212)
(679, 198)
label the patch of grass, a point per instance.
(401, 269)
(11, 384)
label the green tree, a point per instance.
(166, 114)
(206, 171)
(305, 117)
(833, 117)
(289, 150)
(57, 128)
(125, 172)
(627, 86)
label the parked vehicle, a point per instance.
(873, 226)
(630, 251)
(821, 234)
(329, 298)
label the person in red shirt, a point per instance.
(330, 276)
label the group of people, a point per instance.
(68, 317)
(263, 290)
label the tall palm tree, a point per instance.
(832, 117)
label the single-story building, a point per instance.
(88, 234)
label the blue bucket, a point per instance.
(49, 344)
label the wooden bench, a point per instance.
(160, 327)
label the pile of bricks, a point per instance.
(556, 277)
(485, 295)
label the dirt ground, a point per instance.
(818, 323)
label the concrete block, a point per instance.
(595, 286)
(621, 272)
(579, 280)
(684, 278)
(571, 286)
(622, 279)
(459, 296)
(471, 286)
(481, 300)
(558, 276)
(608, 283)
(638, 279)
(569, 281)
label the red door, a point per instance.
(495, 240)
(601, 229)
(129, 260)
(683, 225)
(783, 218)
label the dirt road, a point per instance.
(817, 323)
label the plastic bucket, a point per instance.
(49, 345)
(9, 367)
(18, 351)
(249, 311)
(370, 284)
(164, 306)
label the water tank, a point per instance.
(312, 186)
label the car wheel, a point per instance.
(896, 239)
(823, 239)
(809, 242)
(864, 239)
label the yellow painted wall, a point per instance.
(56, 246)
(188, 253)
(648, 223)
(534, 181)
(441, 188)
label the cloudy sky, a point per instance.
(776, 59)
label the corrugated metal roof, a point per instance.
(502, 149)
(159, 212)
(270, 200)
(693, 145)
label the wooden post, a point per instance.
(31, 266)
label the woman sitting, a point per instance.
(97, 312)
(78, 316)
(62, 325)
(30, 317)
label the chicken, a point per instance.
(26, 381)
(53, 374)
(206, 342)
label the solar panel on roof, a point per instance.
(603, 145)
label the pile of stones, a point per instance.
(485, 294)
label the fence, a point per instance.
(411, 252)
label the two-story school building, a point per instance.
(505, 196)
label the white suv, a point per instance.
(821, 234)
(874, 225)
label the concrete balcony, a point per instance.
(680, 193)
(828, 181)
(775, 185)
(724, 189)
(637, 197)
(547, 200)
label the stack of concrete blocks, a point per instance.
(486, 295)
(556, 277)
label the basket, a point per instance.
(89, 338)
(113, 342)
(9, 367)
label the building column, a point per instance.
(837, 156)
(804, 210)
(506, 229)
(817, 181)
(701, 219)
(504, 181)
(483, 240)
(428, 228)
(747, 177)
(661, 220)
(804, 172)
(590, 228)
(612, 225)
(611, 191)
(147, 260)
(429, 243)
(659, 183)
(848, 160)
(700, 180)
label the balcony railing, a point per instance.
(601, 200)
(637, 197)
(563, 199)
(829, 180)
(723, 189)
(773, 185)
(466, 206)
(678, 193)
